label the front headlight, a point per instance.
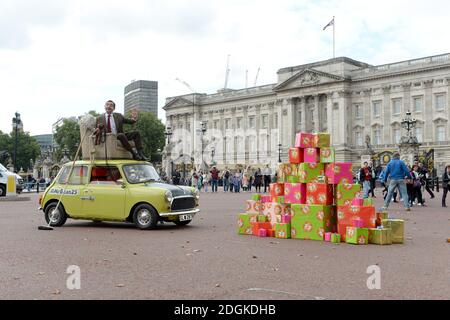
(169, 196)
(195, 194)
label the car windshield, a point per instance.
(139, 173)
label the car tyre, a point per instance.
(182, 223)
(2, 190)
(145, 217)
(55, 219)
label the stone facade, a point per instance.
(359, 104)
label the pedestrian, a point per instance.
(194, 179)
(396, 170)
(250, 182)
(237, 181)
(176, 177)
(425, 178)
(244, 182)
(267, 174)
(214, 179)
(445, 185)
(200, 181)
(206, 180)
(258, 180)
(417, 187)
(373, 180)
(385, 187)
(365, 178)
(225, 178)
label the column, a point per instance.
(316, 113)
(289, 106)
(246, 146)
(386, 115)
(448, 106)
(406, 105)
(258, 127)
(367, 113)
(231, 139)
(428, 112)
(270, 128)
(330, 115)
(302, 101)
(223, 136)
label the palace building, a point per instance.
(362, 106)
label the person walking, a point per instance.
(267, 174)
(194, 179)
(445, 185)
(258, 178)
(373, 180)
(200, 181)
(244, 182)
(214, 179)
(206, 180)
(425, 178)
(225, 178)
(365, 178)
(416, 187)
(237, 181)
(396, 170)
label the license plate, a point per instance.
(186, 217)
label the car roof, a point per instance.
(109, 162)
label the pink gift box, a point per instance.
(286, 218)
(339, 172)
(262, 233)
(358, 223)
(304, 140)
(311, 155)
(265, 199)
(358, 202)
(328, 236)
(295, 193)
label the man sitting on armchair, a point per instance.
(112, 122)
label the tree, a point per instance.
(152, 133)
(67, 136)
(27, 148)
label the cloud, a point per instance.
(70, 56)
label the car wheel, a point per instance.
(2, 190)
(182, 223)
(145, 217)
(56, 218)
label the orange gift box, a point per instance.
(276, 190)
(346, 215)
(319, 193)
(260, 225)
(295, 155)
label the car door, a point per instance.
(70, 192)
(104, 197)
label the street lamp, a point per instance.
(168, 134)
(16, 124)
(203, 129)
(279, 152)
(409, 123)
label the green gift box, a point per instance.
(283, 230)
(245, 221)
(335, 238)
(356, 235)
(397, 227)
(327, 155)
(280, 199)
(346, 192)
(293, 179)
(262, 218)
(322, 140)
(380, 236)
(311, 222)
(368, 202)
(310, 172)
(256, 197)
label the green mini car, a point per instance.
(117, 190)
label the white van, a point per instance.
(4, 173)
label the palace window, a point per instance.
(396, 133)
(396, 106)
(358, 139)
(419, 134)
(358, 111)
(377, 137)
(439, 101)
(377, 109)
(440, 133)
(251, 122)
(227, 124)
(417, 102)
(264, 121)
(239, 123)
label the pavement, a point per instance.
(208, 260)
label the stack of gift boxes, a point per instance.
(315, 199)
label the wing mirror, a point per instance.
(121, 183)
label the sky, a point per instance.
(62, 58)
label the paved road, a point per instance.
(207, 260)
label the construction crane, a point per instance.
(256, 78)
(227, 72)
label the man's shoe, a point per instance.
(136, 156)
(408, 209)
(142, 155)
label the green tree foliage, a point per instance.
(27, 148)
(152, 133)
(67, 136)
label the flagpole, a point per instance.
(334, 41)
